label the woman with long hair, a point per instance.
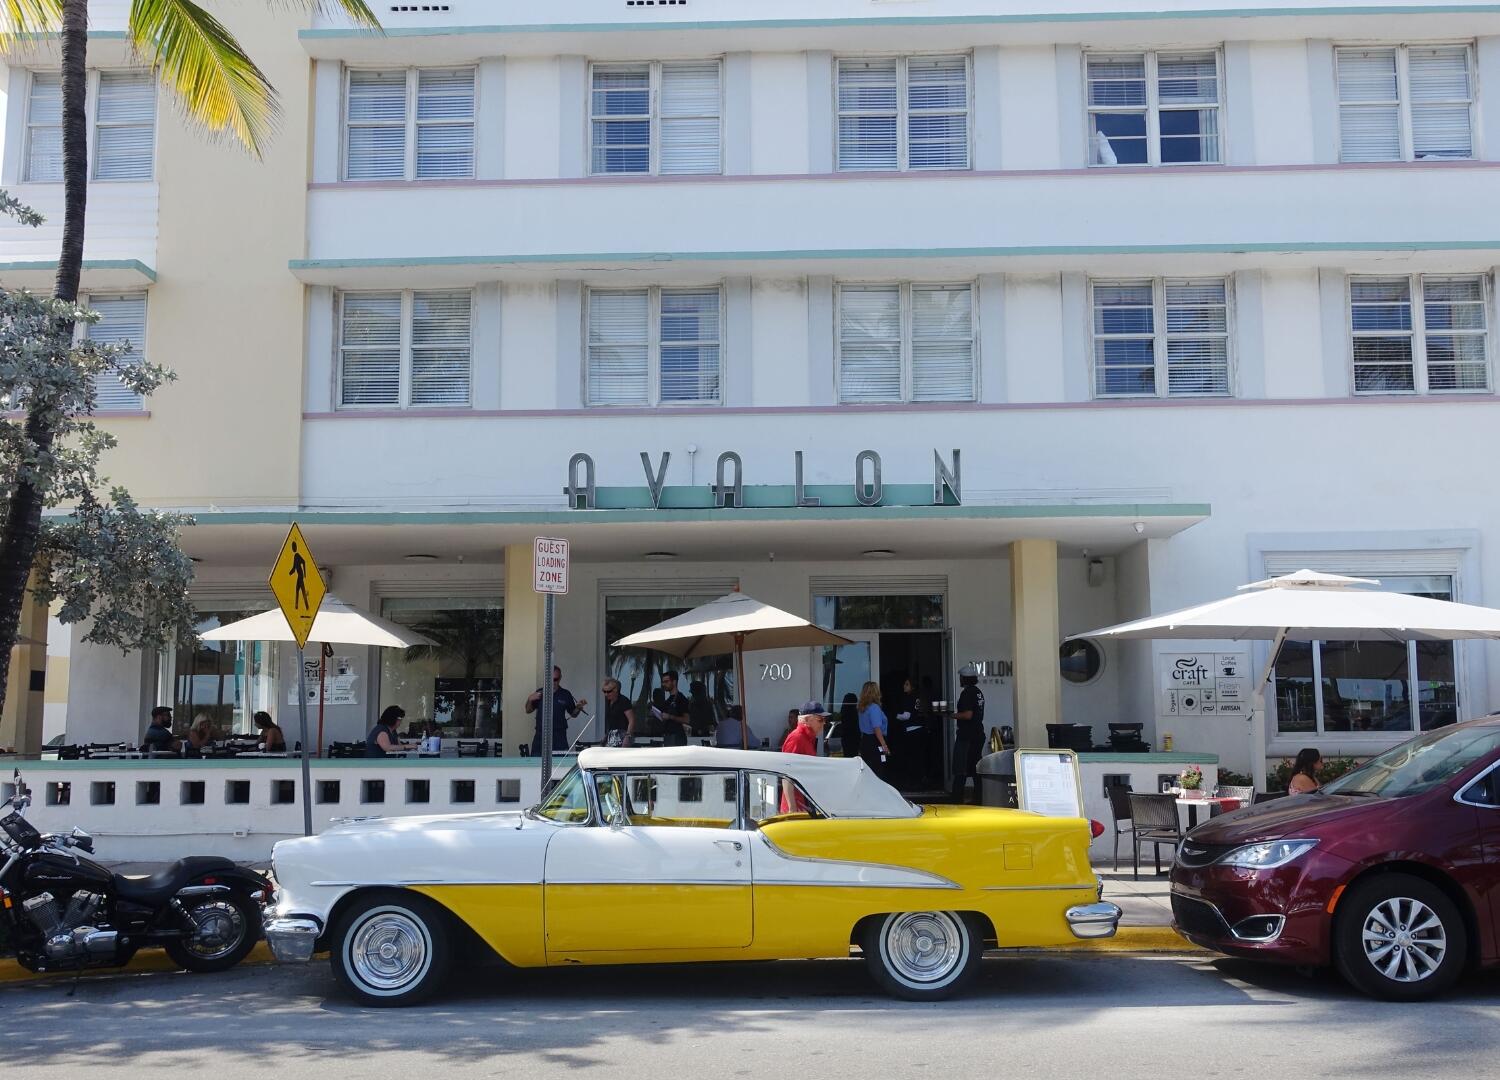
(873, 728)
(1305, 772)
(849, 725)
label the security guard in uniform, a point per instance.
(968, 741)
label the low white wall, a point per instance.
(1144, 773)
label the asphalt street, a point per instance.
(1115, 1016)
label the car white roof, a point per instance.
(842, 787)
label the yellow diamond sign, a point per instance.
(298, 585)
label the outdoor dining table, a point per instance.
(1224, 805)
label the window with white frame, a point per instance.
(1161, 338)
(122, 321)
(122, 107)
(409, 124)
(1154, 108)
(654, 346)
(404, 349)
(1405, 102)
(906, 342)
(1426, 334)
(903, 113)
(655, 118)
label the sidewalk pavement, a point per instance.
(1145, 901)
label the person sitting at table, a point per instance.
(273, 739)
(733, 732)
(198, 736)
(383, 739)
(159, 735)
(1305, 772)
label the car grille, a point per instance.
(1198, 917)
(1192, 853)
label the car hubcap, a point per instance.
(924, 946)
(389, 950)
(1404, 939)
(218, 929)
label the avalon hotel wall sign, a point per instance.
(730, 492)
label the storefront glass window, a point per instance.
(456, 680)
(640, 670)
(901, 612)
(1370, 686)
(228, 681)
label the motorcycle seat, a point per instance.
(156, 889)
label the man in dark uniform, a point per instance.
(968, 741)
(670, 706)
(563, 707)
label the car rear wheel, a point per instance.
(1400, 938)
(391, 949)
(922, 955)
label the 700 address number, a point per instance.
(775, 672)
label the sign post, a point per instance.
(549, 570)
(298, 586)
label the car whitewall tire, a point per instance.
(391, 949)
(922, 955)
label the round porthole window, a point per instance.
(1081, 661)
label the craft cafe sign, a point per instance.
(730, 490)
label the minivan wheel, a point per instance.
(922, 955)
(1399, 938)
(391, 949)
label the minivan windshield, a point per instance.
(1419, 765)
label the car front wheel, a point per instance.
(1400, 938)
(922, 955)
(391, 949)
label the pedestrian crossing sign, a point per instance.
(298, 585)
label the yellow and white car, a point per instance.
(688, 854)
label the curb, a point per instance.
(143, 961)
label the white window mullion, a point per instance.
(1159, 342)
(653, 347)
(903, 118)
(1419, 332)
(1153, 117)
(906, 335)
(403, 399)
(1317, 681)
(91, 115)
(409, 138)
(1403, 101)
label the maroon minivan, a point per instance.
(1391, 873)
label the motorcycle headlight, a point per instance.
(1267, 856)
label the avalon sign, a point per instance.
(729, 490)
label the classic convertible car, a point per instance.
(683, 855)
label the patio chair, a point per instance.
(1266, 796)
(1243, 792)
(1154, 821)
(1119, 809)
(471, 748)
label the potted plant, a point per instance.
(1191, 779)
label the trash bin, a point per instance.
(996, 776)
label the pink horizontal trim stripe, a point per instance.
(963, 407)
(934, 174)
(98, 414)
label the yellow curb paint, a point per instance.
(146, 960)
(1140, 939)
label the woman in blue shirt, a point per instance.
(873, 727)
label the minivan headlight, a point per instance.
(1267, 856)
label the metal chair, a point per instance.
(1154, 821)
(470, 747)
(1119, 809)
(1243, 792)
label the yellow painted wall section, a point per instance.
(225, 313)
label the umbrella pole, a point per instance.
(1258, 713)
(302, 722)
(322, 691)
(739, 667)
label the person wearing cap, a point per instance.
(968, 740)
(803, 739)
(873, 730)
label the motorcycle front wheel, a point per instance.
(226, 928)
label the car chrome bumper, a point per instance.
(292, 940)
(1093, 920)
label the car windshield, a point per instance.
(1419, 765)
(568, 802)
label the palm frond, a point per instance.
(218, 86)
(27, 20)
(357, 11)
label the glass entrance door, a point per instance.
(846, 668)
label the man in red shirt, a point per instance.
(802, 739)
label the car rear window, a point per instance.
(1419, 765)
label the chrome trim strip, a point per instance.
(792, 883)
(1459, 796)
(1260, 939)
(1039, 888)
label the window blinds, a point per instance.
(440, 348)
(1457, 334)
(1161, 337)
(1380, 314)
(1197, 339)
(370, 349)
(942, 343)
(689, 363)
(937, 112)
(1124, 339)
(683, 108)
(1437, 89)
(618, 344)
(868, 115)
(437, 352)
(445, 124)
(375, 126)
(649, 346)
(903, 114)
(126, 126)
(869, 343)
(122, 321)
(44, 128)
(690, 117)
(1440, 102)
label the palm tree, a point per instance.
(220, 89)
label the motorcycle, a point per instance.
(60, 911)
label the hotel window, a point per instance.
(1420, 335)
(654, 346)
(454, 681)
(123, 112)
(409, 124)
(1154, 108)
(122, 321)
(903, 113)
(1161, 338)
(1405, 103)
(654, 118)
(404, 349)
(1370, 686)
(905, 343)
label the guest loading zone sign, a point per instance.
(1203, 684)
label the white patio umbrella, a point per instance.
(1309, 606)
(736, 624)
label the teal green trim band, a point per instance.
(902, 21)
(762, 495)
(147, 764)
(1134, 511)
(1059, 250)
(88, 264)
(1174, 757)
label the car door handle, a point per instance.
(735, 844)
